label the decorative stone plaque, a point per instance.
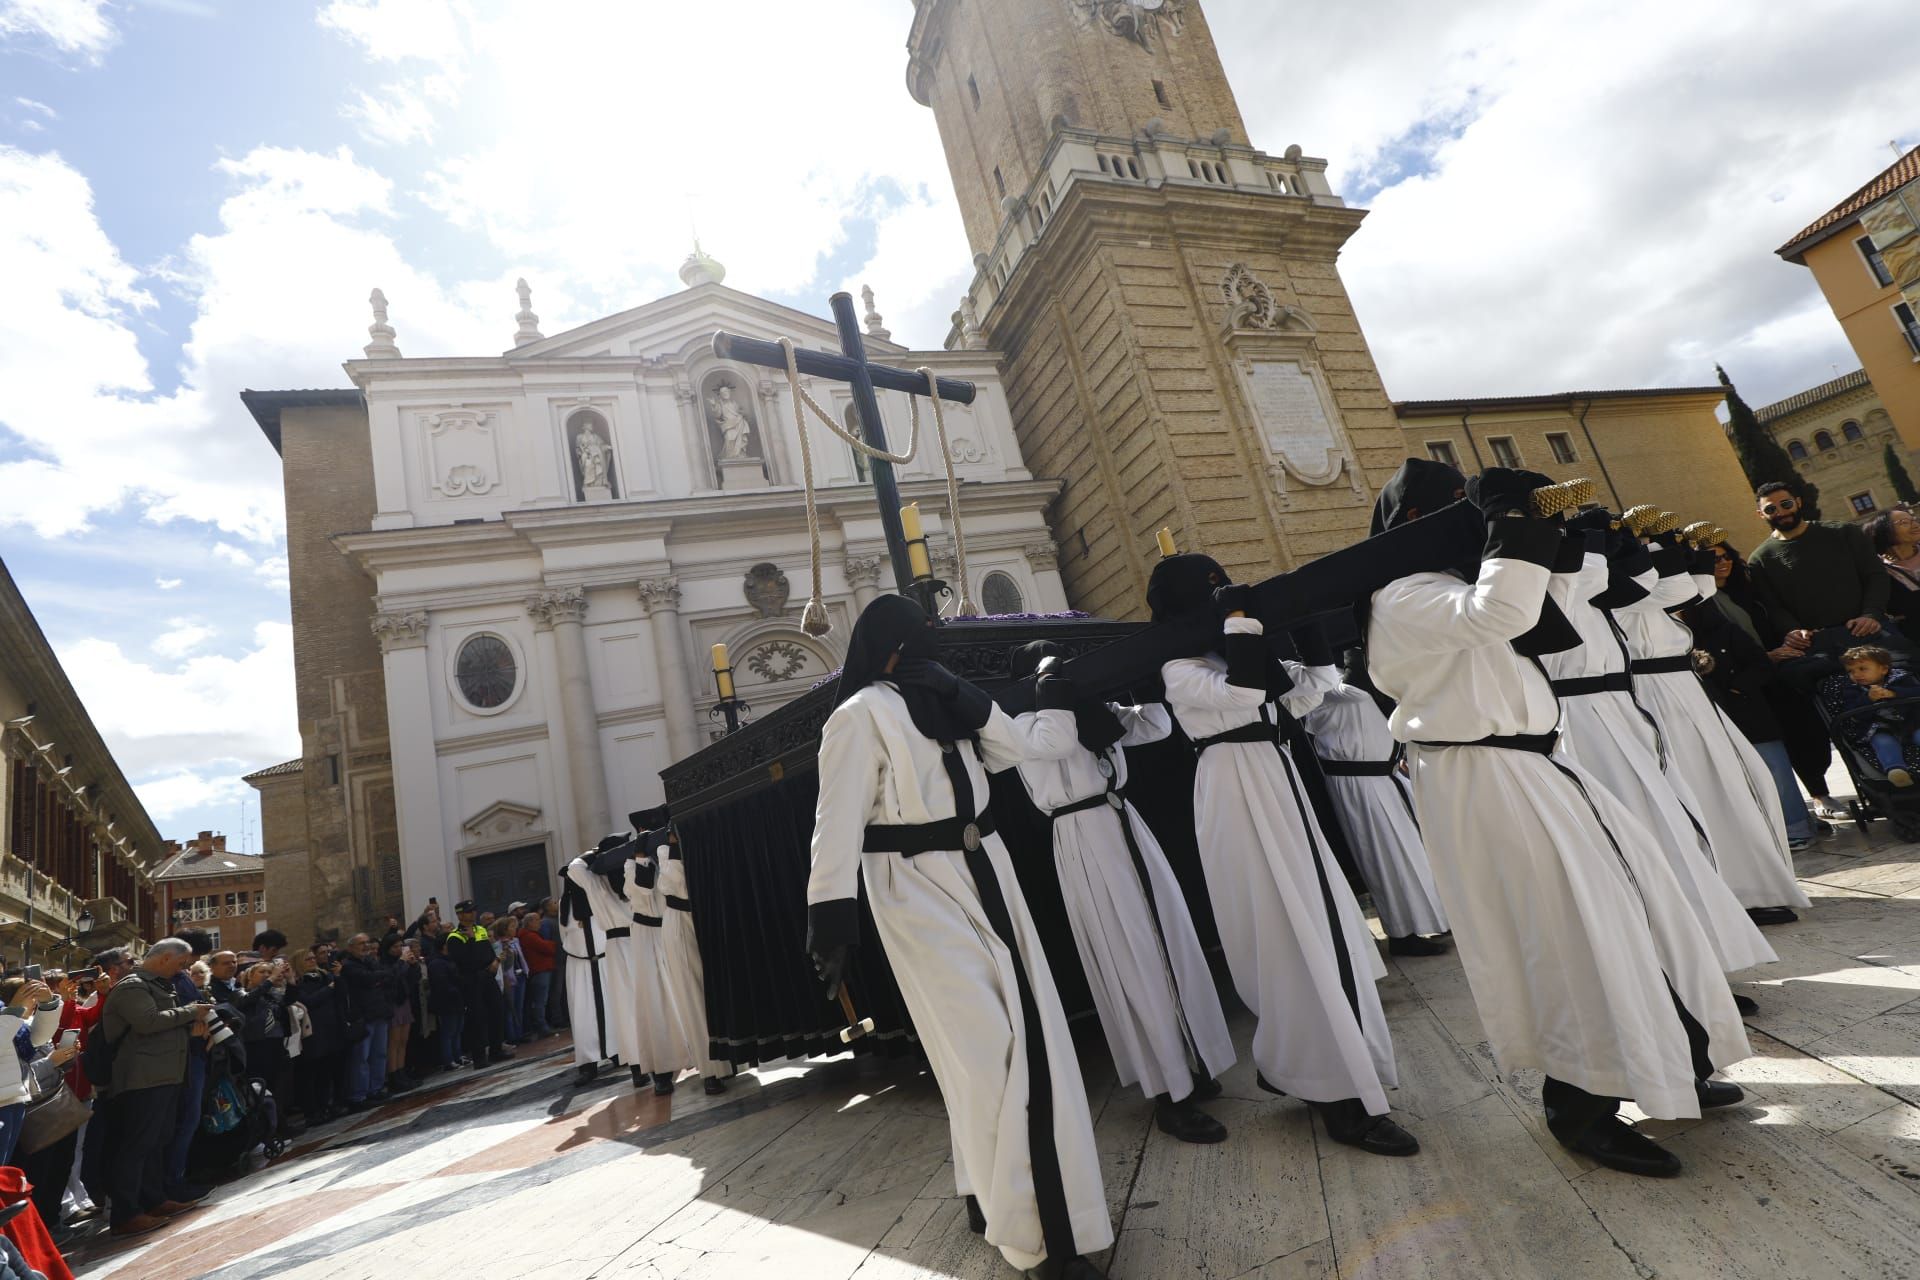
(1293, 415)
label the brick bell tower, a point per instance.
(1178, 345)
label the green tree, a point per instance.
(1761, 456)
(1897, 474)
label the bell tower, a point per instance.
(1178, 346)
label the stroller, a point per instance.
(237, 1115)
(1874, 796)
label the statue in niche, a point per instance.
(591, 450)
(736, 429)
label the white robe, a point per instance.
(1715, 771)
(1266, 862)
(955, 973)
(584, 964)
(1142, 958)
(633, 1014)
(1378, 812)
(660, 1052)
(683, 975)
(1606, 734)
(1568, 919)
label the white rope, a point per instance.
(813, 618)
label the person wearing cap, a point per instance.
(680, 971)
(470, 949)
(1144, 965)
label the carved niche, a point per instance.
(461, 457)
(590, 456)
(767, 590)
(1135, 20)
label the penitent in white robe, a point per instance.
(634, 1016)
(1568, 919)
(955, 973)
(1611, 738)
(1378, 811)
(683, 975)
(584, 944)
(1137, 945)
(1715, 771)
(1270, 876)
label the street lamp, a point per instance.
(83, 923)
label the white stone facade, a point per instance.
(602, 600)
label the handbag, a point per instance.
(51, 1117)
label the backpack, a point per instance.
(96, 1060)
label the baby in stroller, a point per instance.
(1875, 710)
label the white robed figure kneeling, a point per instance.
(583, 943)
(1584, 959)
(1131, 927)
(902, 807)
(1296, 942)
(635, 1014)
(681, 974)
(1361, 762)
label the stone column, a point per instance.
(565, 611)
(660, 597)
(781, 469)
(1043, 560)
(699, 469)
(863, 575)
(427, 867)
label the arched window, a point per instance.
(1823, 440)
(1797, 450)
(999, 594)
(862, 468)
(1850, 429)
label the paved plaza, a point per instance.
(839, 1169)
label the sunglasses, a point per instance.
(1780, 507)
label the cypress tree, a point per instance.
(1897, 474)
(1761, 456)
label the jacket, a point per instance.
(326, 1009)
(1741, 671)
(149, 1031)
(82, 1016)
(372, 988)
(444, 992)
(539, 951)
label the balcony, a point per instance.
(113, 925)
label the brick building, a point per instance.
(77, 849)
(203, 886)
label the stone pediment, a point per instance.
(683, 322)
(501, 819)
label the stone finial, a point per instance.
(529, 330)
(381, 348)
(971, 339)
(700, 268)
(875, 329)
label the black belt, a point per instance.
(652, 922)
(622, 932)
(679, 904)
(910, 838)
(1252, 731)
(1660, 666)
(1357, 768)
(1612, 682)
(1115, 798)
(1541, 744)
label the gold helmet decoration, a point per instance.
(1665, 522)
(1638, 517)
(1569, 495)
(1698, 533)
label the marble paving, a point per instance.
(838, 1169)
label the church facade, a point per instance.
(553, 540)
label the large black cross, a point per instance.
(851, 367)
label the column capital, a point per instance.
(659, 593)
(568, 604)
(863, 571)
(1041, 556)
(406, 630)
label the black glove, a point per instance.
(1597, 519)
(1310, 642)
(926, 674)
(1702, 561)
(1055, 693)
(831, 965)
(1499, 490)
(1235, 597)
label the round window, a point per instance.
(486, 671)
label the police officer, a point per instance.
(470, 949)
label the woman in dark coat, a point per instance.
(446, 1001)
(318, 1065)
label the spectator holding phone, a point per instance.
(28, 1023)
(148, 1030)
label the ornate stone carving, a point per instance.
(863, 571)
(1135, 20)
(735, 427)
(400, 630)
(1041, 556)
(460, 451)
(1251, 304)
(591, 451)
(766, 590)
(778, 660)
(659, 593)
(549, 608)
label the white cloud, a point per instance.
(70, 26)
(39, 108)
(232, 555)
(398, 115)
(184, 792)
(182, 637)
(168, 584)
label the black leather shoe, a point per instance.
(976, 1216)
(1772, 915)
(1378, 1134)
(586, 1072)
(1617, 1145)
(1747, 1005)
(640, 1078)
(662, 1083)
(1205, 1089)
(1415, 945)
(1718, 1093)
(713, 1085)
(1262, 1082)
(1186, 1122)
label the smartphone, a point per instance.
(33, 973)
(91, 974)
(69, 1037)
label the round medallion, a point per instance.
(970, 837)
(486, 671)
(1115, 799)
(1106, 767)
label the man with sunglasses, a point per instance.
(1820, 581)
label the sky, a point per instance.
(196, 196)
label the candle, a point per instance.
(722, 672)
(917, 561)
(910, 522)
(1165, 539)
(720, 662)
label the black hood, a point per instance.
(1420, 486)
(896, 625)
(1182, 586)
(1098, 727)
